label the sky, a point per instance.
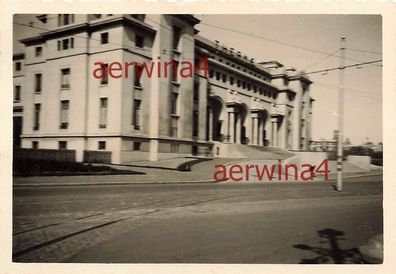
(363, 86)
(296, 40)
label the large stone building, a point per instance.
(60, 105)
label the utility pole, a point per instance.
(340, 115)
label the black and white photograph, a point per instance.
(183, 138)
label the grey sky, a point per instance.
(363, 106)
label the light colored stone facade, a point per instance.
(238, 101)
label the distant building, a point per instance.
(58, 104)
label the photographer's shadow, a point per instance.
(333, 254)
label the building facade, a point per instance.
(58, 104)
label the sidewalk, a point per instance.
(201, 172)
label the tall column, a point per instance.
(275, 132)
(238, 128)
(231, 126)
(210, 129)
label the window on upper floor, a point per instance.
(175, 70)
(176, 37)
(36, 116)
(104, 38)
(64, 114)
(66, 44)
(65, 78)
(17, 93)
(137, 77)
(18, 66)
(103, 113)
(39, 51)
(174, 98)
(136, 114)
(65, 19)
(139, 41)
(37, 84)
(105, 79)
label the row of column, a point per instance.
(234, 128)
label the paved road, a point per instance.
(211, 223)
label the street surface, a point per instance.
(197, 223)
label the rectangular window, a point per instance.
(18, 66)
(36, 117)
(174, 103)
(139, 41)
(65, 19)
(38, 78)
(176, 37)
(211, 73)
(136, 113)
(196, 92)
(239, 83)
(175, 67)
(231, 80)
(35, 144)
(62, 145)
(17, 93)
(104, 38)
(103, 113)
(39, 51)
(65, 78)
(217, 75)
(138, 74)
(64, 114)
(137, 146)
(102, 145)
(224, 78)
(72, 42)
(65, 44)
(105, 79)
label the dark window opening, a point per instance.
(102, 145)
(139, 41)
(62, 145)
(104, 38)
(137, 146)
(18, 66)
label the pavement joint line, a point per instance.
(184, 182)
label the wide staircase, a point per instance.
(257, 152)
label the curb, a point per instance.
(208, 181)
